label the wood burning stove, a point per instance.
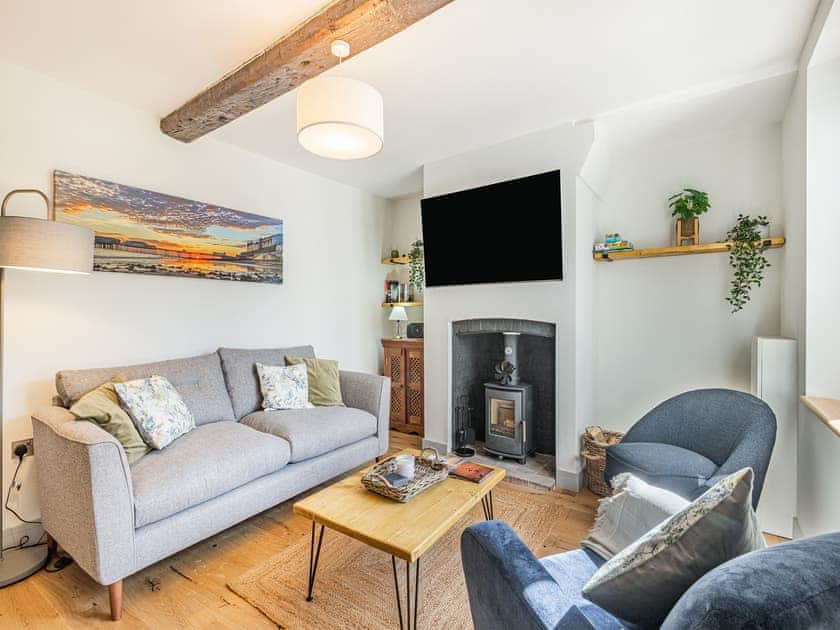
(509, 410)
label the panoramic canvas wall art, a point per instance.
(139, 231)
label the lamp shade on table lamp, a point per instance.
(398, 315)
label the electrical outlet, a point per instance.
(29, 444)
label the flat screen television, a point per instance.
(505, 232)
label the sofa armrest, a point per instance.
(371, 393)
(87, 500)
(508, 587)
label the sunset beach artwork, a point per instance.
(139, 231)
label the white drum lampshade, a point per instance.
(44, 245)
(340, 118)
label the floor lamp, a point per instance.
(34, 245)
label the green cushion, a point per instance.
(324, 385)
(102, 407)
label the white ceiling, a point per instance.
(474, 73)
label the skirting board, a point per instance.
(572, 481)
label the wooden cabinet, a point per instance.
(404, 366)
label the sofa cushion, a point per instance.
(206, 462)
(571, 570)
(313, 432)
(745, 592)
(646, 579)
(240, 373)
(671, 467)
(199, 381)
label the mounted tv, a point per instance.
(506, 232)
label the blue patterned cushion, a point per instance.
(642, 583)
(157, 409)
(284, 387)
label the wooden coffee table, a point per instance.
(403, 530)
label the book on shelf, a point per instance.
(471, 471)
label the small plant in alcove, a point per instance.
(747, 259)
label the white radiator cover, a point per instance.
(774, 380)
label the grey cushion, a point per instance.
(312, 432)
(206, 462)
(199, 381)
(239, 367)
(791, 586)
(642, 583)
(671, 467)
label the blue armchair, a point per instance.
(687, 443)
(789, 586)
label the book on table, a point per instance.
(471, 471)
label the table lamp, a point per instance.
(398, 315)
(34, 245)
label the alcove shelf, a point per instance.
(683, 250)
(390, 304)
(399, 260)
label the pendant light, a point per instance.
(338, 117)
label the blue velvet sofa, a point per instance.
(689, 442)
(787, 587)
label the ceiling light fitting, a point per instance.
(338, 117)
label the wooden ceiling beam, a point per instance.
(300, 55)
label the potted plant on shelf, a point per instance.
(416, 270)
(688, 205)
(747, 259)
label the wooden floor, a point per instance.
(188, 590)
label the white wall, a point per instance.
(792, 299)
(333, 279)
(818, 495)
(822, 361)
(563, 148)
(661, 324)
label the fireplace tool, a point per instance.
(464, 432)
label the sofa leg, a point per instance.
(115, 597)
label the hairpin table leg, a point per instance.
(314, 554)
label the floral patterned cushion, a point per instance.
(284, 387)
(641, 583)
(157, 409)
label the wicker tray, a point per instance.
(427, 472)
(594, 453)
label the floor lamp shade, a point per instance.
(35, 245)
(340, 118)
(43, 245)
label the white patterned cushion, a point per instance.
(641, 583)
(284, 387)
(157, 410)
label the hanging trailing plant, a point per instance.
(746, 258)
(416, 270)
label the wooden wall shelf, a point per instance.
(390, 304)
(400, 260)
(684, 250)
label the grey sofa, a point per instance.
(791, 586)
(689, 442)
(115, 519)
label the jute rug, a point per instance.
(354, 585)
